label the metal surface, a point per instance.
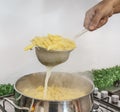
(80, 34)
(51, 58)
(81, 104)
(4, 96)
(2, 108)
(106, 104)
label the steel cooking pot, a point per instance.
(24, 103)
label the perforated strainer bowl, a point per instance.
(50, 57)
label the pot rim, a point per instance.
(59, 101)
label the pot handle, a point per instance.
(11, 101)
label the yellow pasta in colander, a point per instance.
(52, 42)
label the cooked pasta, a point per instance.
(54, 93)
(52, 42)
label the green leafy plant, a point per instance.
(105, 78)
(6, 89)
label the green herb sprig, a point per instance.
(105, 78)
(6, 89)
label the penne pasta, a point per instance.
(52, 42)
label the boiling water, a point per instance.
(49, 70)
(53, 92)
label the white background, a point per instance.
(21, 20)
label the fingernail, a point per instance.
(91, 27)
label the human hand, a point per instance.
(97, 16)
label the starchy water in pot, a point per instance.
(54, 93)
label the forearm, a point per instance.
(98, 15)
(116, 9)
(115, 4)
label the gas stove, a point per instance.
(106, 101)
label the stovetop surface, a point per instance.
(107, 101)
(8, 107)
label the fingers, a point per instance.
(102, 22)
(95, 21)
(98, 15)
(88, 18)
(92, 19)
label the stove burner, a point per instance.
(96, 108)
(104, 102)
